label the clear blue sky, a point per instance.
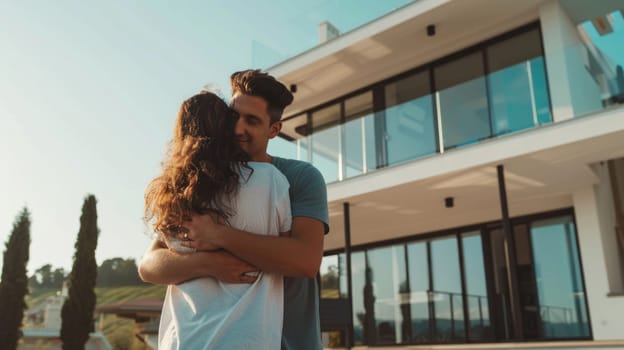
(89, 92)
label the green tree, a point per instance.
(118, 272)
(14, 282)
(58, 277)
(77, 311)
(44, 275)
(33, 282)
(330, 279)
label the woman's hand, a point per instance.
(200, 232)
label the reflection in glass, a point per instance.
(517, 83)
(326, 142)
(447, 290)
(476, 288)
(330, 274)
(526, 290)
(359, 146)
(342, 272)
(463, 100)
(294, 145)
(358, 274)
(409, 118)
(561, 292)
(603, 62)
(419, 288)
(330, 283)
(359, 135)
(501, 291)
(389, 282)
(282, 148)
(303, 149)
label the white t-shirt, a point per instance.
(206, 313)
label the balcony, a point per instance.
(507, 85)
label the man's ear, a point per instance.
(274, 129)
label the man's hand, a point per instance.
(296, 255)
(233, 270)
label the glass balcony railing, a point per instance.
(598, 67)
(520, 95)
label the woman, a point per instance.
(207, 173)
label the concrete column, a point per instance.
(605, 311)
(605, 205)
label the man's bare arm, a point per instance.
(298, 255)
(160, 265)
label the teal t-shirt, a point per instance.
(308, 197)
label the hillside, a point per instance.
(106, 295)
(111, 295)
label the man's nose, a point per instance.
(239, 127)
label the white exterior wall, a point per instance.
(573, 91)
(52, 318)
(606, 312)
(606, 212)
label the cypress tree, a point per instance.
(14, 282)
(77, 311)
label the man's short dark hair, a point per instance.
(257, 83)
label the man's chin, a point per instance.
(244, 146)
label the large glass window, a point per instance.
(485, 91)
(463, 100)
(447, 290)
(526, 291)
(409, 119)
(294, 144)
(518, 93)
(560, 287)
(419, 292)
(501, 292)
(283, 147)
(476, 287)
(330, 277)
(457, 287)
(359, 135)
(363, 300)
(390, 289)
(326, 141)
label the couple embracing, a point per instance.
(239, 232)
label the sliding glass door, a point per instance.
(560, 289)
(455, 287)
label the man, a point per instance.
(260, 100)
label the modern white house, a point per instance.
(474, 157)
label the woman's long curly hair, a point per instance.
(202, 167)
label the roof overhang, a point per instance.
(396, 43)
